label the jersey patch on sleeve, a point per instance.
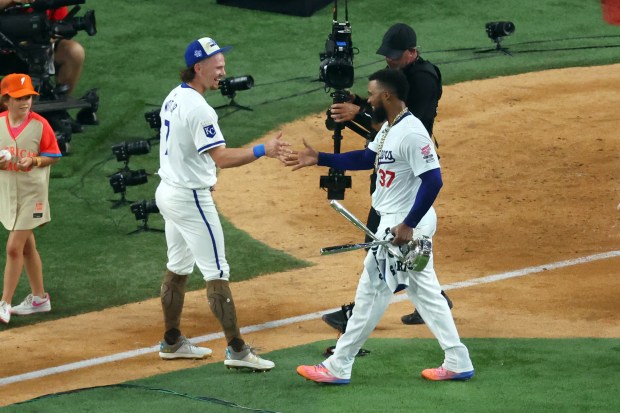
(427, 155)
(209, 131)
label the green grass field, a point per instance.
(518, 375)
(90, 261)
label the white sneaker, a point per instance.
(5, 312)
(246, 358)
(183, 349)
(33, 304)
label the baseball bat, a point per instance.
(351, 247)
(355, 221)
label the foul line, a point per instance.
(306, 317)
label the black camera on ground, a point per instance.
(126, 177)
(497, 30)
(26, 34)
(153, 119)
(124, 150)
(336, 68)
(143, 208)
(230, 85)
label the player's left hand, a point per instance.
(403, 233)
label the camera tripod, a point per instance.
(336, 181)
(145, 227)
(233, 104)
(498, 48)
(117, 203)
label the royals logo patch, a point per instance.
(209, 131)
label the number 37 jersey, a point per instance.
(407, 152)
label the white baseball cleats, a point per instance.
(183, 349)
(247, 359)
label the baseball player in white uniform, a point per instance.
(408, 181)
(192, 147)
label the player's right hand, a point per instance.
(277, 148)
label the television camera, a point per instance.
(496, 31)
(26, 45)
(336, 71)
(141, 210)
(229, 87)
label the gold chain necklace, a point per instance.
(385, 132)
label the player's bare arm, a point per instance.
(6, 3)
(232, 157)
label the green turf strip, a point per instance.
(512, 375)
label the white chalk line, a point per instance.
(292, 320)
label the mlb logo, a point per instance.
(209, 131)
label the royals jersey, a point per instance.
(188, 130)
(407, 153)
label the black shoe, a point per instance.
(76, 127)
(412, 319)
(329, 351)
(447, 299)
(415, 317)
(87, 117)
(339, 319)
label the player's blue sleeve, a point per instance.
(348, 161)
(429, 189)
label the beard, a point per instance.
(379, 115)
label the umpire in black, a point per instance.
(399, 46)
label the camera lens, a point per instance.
(499, 29)
(230, 85)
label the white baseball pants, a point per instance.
(193, 232)
(373, 296)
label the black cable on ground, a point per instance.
(207, 399)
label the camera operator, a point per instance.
(68, 54)
(399, 46)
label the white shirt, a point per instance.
(189, 129)
(407, 152)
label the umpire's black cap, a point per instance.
(397, 39)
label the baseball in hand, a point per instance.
(5, 155)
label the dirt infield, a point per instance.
(531, 167)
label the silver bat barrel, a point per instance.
(415, 254)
